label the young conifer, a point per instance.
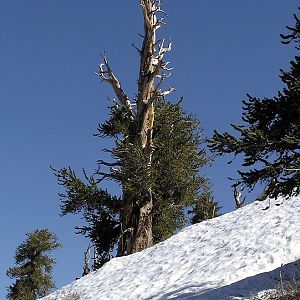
(34, 266)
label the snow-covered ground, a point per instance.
(229, 257)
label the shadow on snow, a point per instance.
(243, 288)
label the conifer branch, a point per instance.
(113, 164)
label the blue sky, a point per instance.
(51, 101)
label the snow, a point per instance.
(230, 257)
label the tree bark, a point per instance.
(143, 236)
(149, 69)
(136, 222)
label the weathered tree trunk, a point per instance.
(86, 268)
(143, 235)
(237, 194)
(136, 231)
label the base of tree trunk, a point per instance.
(143, 236)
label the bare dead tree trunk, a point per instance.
(237, 194)
(136, 231)
(86, 268)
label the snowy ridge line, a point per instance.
(229, 257)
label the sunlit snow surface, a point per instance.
(230, 257)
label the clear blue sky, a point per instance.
(51, 101)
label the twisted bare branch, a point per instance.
(106, 74)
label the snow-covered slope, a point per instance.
(229, 257)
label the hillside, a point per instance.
(229, 257)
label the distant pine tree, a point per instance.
(270, 137)
(34, 267)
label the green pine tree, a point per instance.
(34, 266)
(270, 137)
(156, 159)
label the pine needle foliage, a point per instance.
(269, 139)
(34, 266)
(173, 176)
